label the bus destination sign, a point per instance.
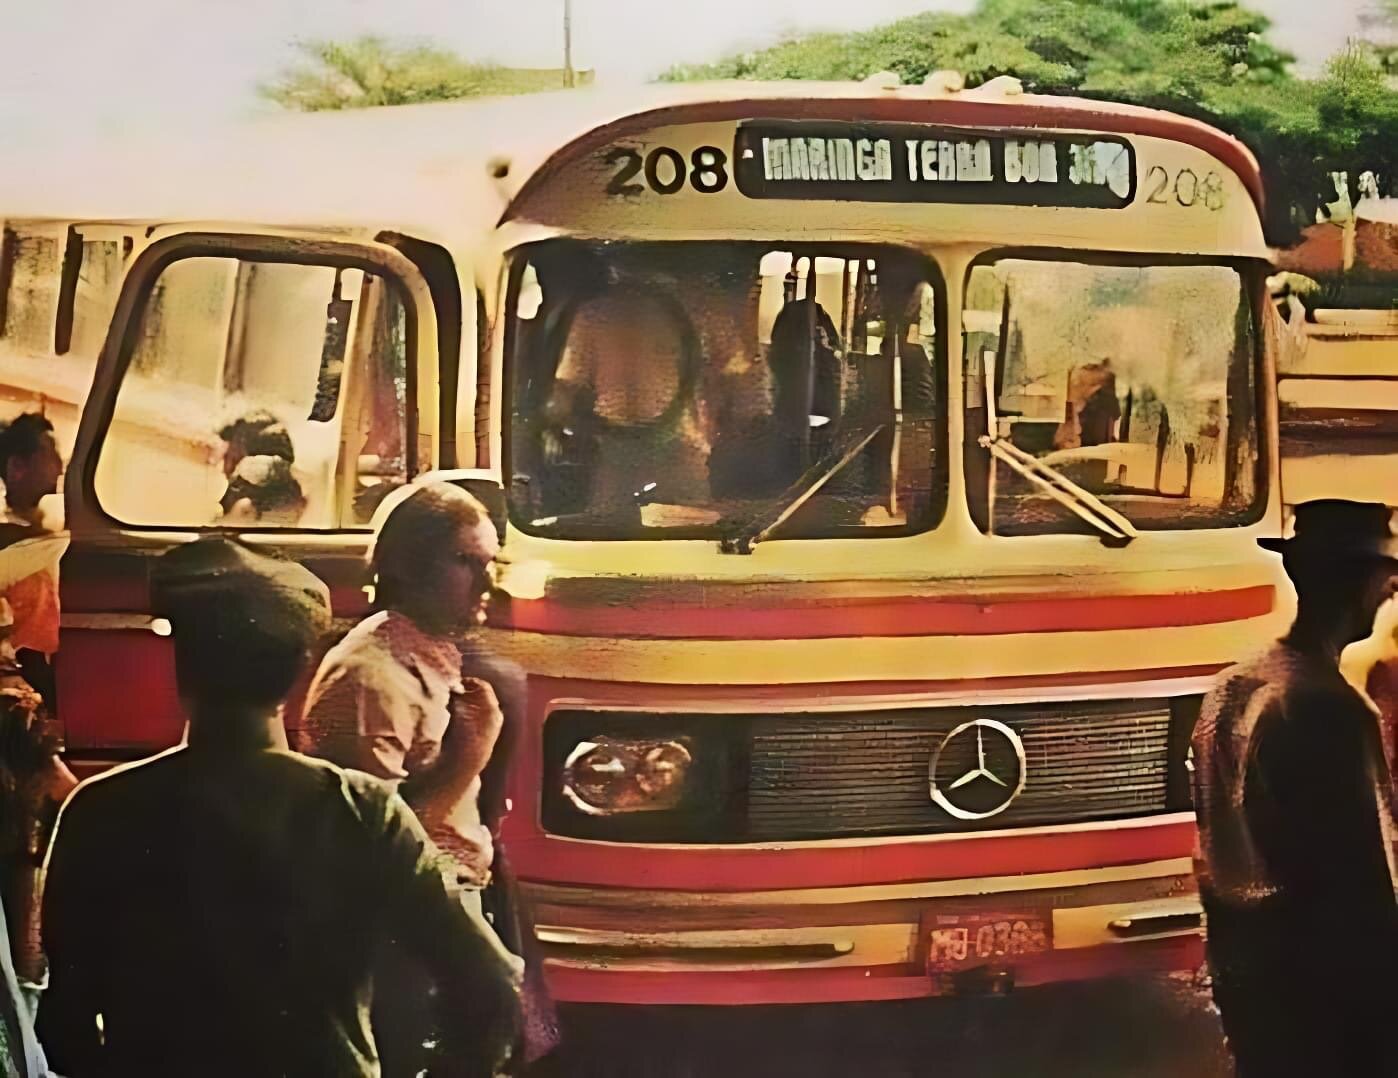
(919, 163)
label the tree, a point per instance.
(1140, 47)
(1380, 29)
(371, 71)
(1210, 60)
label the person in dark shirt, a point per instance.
(33, 777)
(508, 910)
(216, 910)
(1290, 788)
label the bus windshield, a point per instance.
(1134, 382)
(719, 389)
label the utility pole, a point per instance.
(568, 78)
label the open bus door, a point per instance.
(327, 352)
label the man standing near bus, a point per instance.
(30, 465)
(1290, 787)
(411, 697)
(216, 909)
(32, 774)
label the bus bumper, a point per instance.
(859, 943)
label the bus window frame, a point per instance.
(934, 275)
(84, 510)
(438, 269)
(1252, 275)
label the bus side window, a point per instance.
(58, 288)
(30, 274)
(92, 294)
(259, 394)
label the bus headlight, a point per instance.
(603, 776)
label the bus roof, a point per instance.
(438, 168)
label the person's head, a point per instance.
(1343, 561)
(30, 463)
(570, 268)
(634, 354)
(261, 485)
(432, 554)
(804, 351)
(243, 624)
(255, 433)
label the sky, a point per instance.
(84, 64)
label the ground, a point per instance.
(1146, 1027)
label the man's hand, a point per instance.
(447, 802)
(471, 734)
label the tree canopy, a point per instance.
(370, 71)
(1210, 59)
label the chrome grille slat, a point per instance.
(847, 774)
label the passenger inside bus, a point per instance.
(1092, 407)
(914, 368)
(804, 359)
(697, 385)
(258, 460)
(1131, 382)
(626, 372)
(772, 449)
(233, 350)
(899, 461)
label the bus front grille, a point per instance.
(764, 777)
(829, 776)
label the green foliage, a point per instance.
(1209, 59)
(1054, 46)
(370, 71)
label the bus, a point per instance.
(880, 470)
(1337, 401)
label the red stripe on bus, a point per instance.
(846, 862)
(907, 616)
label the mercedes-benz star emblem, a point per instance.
(978, 770)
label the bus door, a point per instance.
(270, 387)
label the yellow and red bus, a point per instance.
(883, 467)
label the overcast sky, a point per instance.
(97, 62)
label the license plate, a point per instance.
(958, 941)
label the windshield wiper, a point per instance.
(777, 512)
(1114, 528)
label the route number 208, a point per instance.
(665, 170)
(1186, 188)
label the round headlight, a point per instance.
(604, 775)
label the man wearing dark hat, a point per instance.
(1289, 787)
(215, 910)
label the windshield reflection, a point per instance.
(1135, 383)
(684, 389)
